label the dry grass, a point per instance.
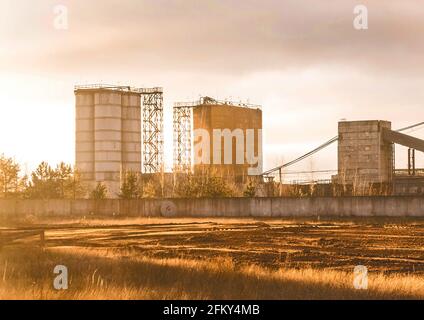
(118, 220)
(27, 273)
(101, 221)
(219, 258)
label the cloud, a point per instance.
(234, 37)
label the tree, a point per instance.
(10, 182)
(99, 192)
(59, 183)
(250, 190)
(63, 177)
(153, 186)
(43, 184)
(215, 187)
(204, 185)
(186, 186)
(130, 188)
(73, 187)
(151, 190)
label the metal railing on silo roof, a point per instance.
(148, 90)
(102, 87)
(212, 101)
(120, 88)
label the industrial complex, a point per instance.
(120, 129)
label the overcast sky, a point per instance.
(302, 60)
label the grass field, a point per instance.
(216, 259)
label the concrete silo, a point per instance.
(84, 137)
(108, 138)
(131, 131)
(108, 134)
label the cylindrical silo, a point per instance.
(131, 132)
(107, 138)
(84, 134)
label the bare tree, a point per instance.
(10, 182)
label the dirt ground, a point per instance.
(387, 245)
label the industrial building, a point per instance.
(366, 162)
(120, 129)
(109, 137)
(364, 156)
(222, 122)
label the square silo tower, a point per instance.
(363, 155)
(227, 118)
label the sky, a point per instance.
(301, 60)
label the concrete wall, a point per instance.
(228, 207)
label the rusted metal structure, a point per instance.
(152, 137)
(182, 125)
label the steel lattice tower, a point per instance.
(152, 137)
(182, 118)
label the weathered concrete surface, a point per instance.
(363, 155)
(108, 136)
(211, 117)
(225, 207)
